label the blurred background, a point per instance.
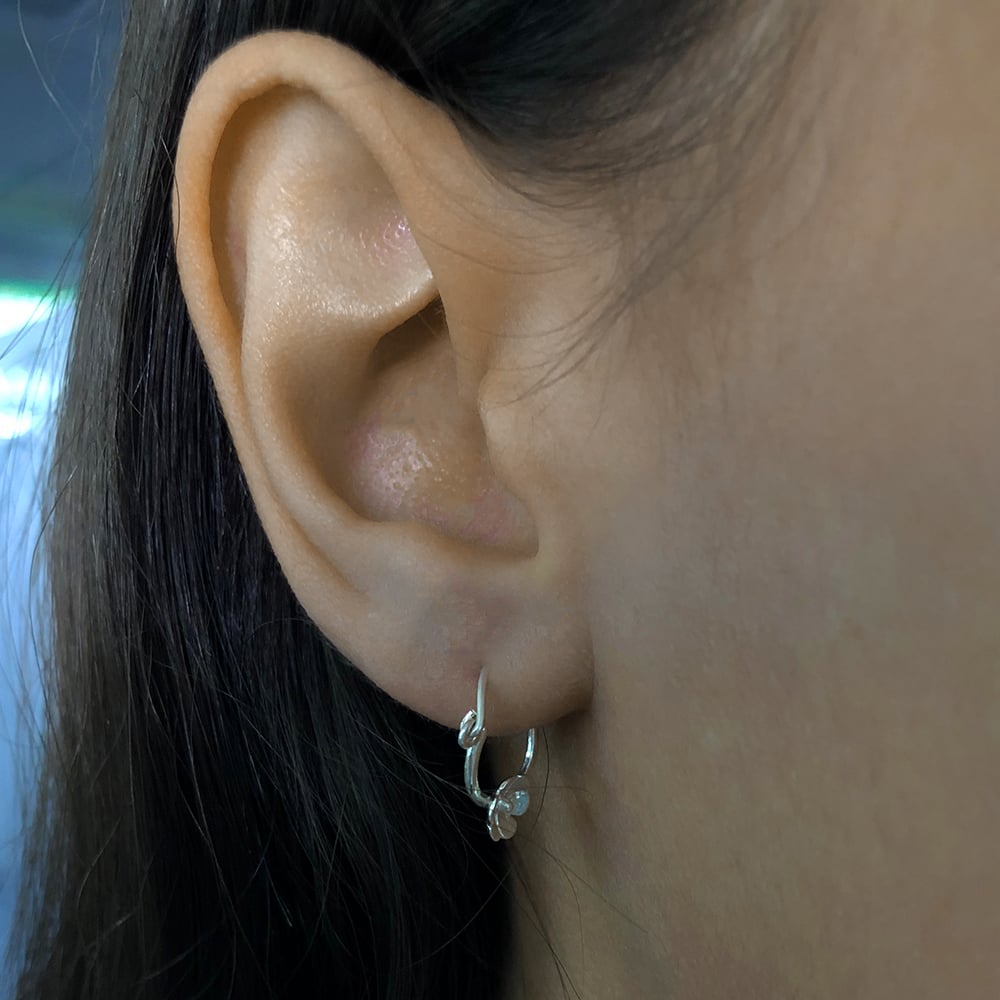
(56, 67)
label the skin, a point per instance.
(743, 565)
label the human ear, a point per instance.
(359, 285)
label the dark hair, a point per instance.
(227, 806)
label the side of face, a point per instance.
(796, 560)
(750, 541)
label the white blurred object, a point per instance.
(20, 309)
(33, 331)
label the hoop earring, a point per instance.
(511, 799)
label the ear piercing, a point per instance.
(511, 799)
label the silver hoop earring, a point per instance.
(511, 799)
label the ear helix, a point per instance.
(511, 799)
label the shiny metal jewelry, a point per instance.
(511, 799)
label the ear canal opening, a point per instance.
(399, 343)
(398, 442)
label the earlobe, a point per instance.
(323, 224)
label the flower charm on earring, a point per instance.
(511, 799)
